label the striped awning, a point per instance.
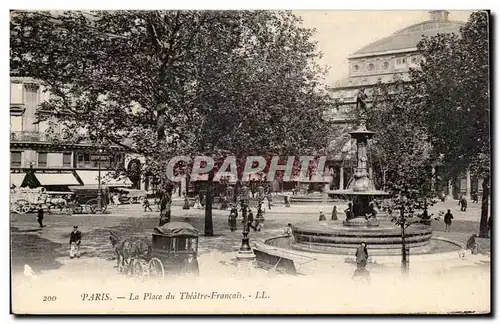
(56, 179)
(107, 178)
(17, 179)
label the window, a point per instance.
(67, 161)
(15, 159)
(401, 62)
(16, 123)
(355, 68)
(385, 65)
(16, 93)
(371, 67)
(42, 159)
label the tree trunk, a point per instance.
(404, 264)
(209, 225)
(483, 224)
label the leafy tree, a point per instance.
(167, 83)
(453, 84)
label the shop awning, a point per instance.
(89, 177)
(17, 179)
(107, 179)
(56, 179)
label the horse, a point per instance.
(127, 249)
(60, 203)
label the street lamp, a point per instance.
(245, 252)
(99, 195)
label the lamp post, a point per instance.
(245, 252)
(99, 195)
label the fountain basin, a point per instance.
(333, 237)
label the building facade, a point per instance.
(40, 148)
(385, 60)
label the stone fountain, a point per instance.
(362, 224)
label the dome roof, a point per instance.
(409, 37)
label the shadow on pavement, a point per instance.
(39, 253)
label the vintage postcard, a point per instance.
(250, 162)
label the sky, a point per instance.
(341, 33)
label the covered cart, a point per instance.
(84, 199)
(130, 196)
(174, 251)
(25, 200)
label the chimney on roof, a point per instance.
(439, 15)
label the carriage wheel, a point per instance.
(93, 206)
(22, 206)
(77, 209)
(156, 269)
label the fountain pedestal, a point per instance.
(361, 224)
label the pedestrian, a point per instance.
(250, 220)
(464, 204)
(197, 204)
(322, 216)
(268, 201)
(348, 211)
(288, 230)
(474, 197)
(223, 204)
(75, 238)
(334, 213)
(287, 200)
(146, 205)
(232, 219)
(447, 221)
(186, 203)
(116, 199)
(39, 217)
(472, 244)
(361, 256)
(373, 208)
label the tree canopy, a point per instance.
(166, 83)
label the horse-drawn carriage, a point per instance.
(25, 200)
(174, 250)
(84, 199)
(130, 196)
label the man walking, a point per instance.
(463, 204)
(447, 221)
(146, 205)
(75, 239)
(39, 217)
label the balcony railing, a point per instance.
(26, 136)
(34, 136)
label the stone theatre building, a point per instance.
(390, 57)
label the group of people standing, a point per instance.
(256, 223)
(322, 216)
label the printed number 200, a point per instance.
(49, 298)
